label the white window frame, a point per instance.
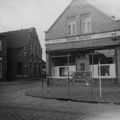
(71, 22)
(85, 19)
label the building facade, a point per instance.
(84, 39)
(24, 54)
(3, 58)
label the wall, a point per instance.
(3, 55)
(118, 63)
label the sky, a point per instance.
(21, 14)
(41, 14)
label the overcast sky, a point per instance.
(19, 14)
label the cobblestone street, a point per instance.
(15, 105)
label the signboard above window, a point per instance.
(113, 34)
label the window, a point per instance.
(104, 70)
(31, 49)
(71, 26)
(35, 68)
(30, 67)
(19, 68)
(86, 23)
(63, 71)
(103, 63)
(82, 67)
(63, 61)
(25, 50)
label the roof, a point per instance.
(109, 7)
(19, 38)
(112, 9)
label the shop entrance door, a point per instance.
(83, 65)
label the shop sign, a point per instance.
(85, 37)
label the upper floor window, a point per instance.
(71, 26)
(86, 23)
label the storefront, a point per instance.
(89, 60)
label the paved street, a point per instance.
(16, 105)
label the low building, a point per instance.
(24, 54)
(84, 39)
(3, 58)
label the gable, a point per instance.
(100, 21)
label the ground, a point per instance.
(16, 105)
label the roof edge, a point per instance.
(101, 11)
(60, 16)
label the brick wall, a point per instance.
(3, 54)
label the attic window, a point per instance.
(86, 23)
(71, 26)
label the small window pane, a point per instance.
(19, 68)
(82, 66)
(71, 26)
(63, 71)
(104, 70)
(86, 23)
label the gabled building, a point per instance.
(84, 39)
(24, 54)
(3, 58)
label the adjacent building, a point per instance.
(3, 58)
(24, 54)
(84, 39)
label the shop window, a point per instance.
(86, 23)
(102, 56)
(71, 26)
(63, 71)
(63, 61)
(104, 70)
(19, 68)
(103, 63)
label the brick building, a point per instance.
(84, 39)
(24, 54)
(3, 58)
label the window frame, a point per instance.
(87, 30)
(72, 25)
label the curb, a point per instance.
(73, 100)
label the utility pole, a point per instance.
(68, 59)
(100, 84)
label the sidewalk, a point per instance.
(78, 93)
